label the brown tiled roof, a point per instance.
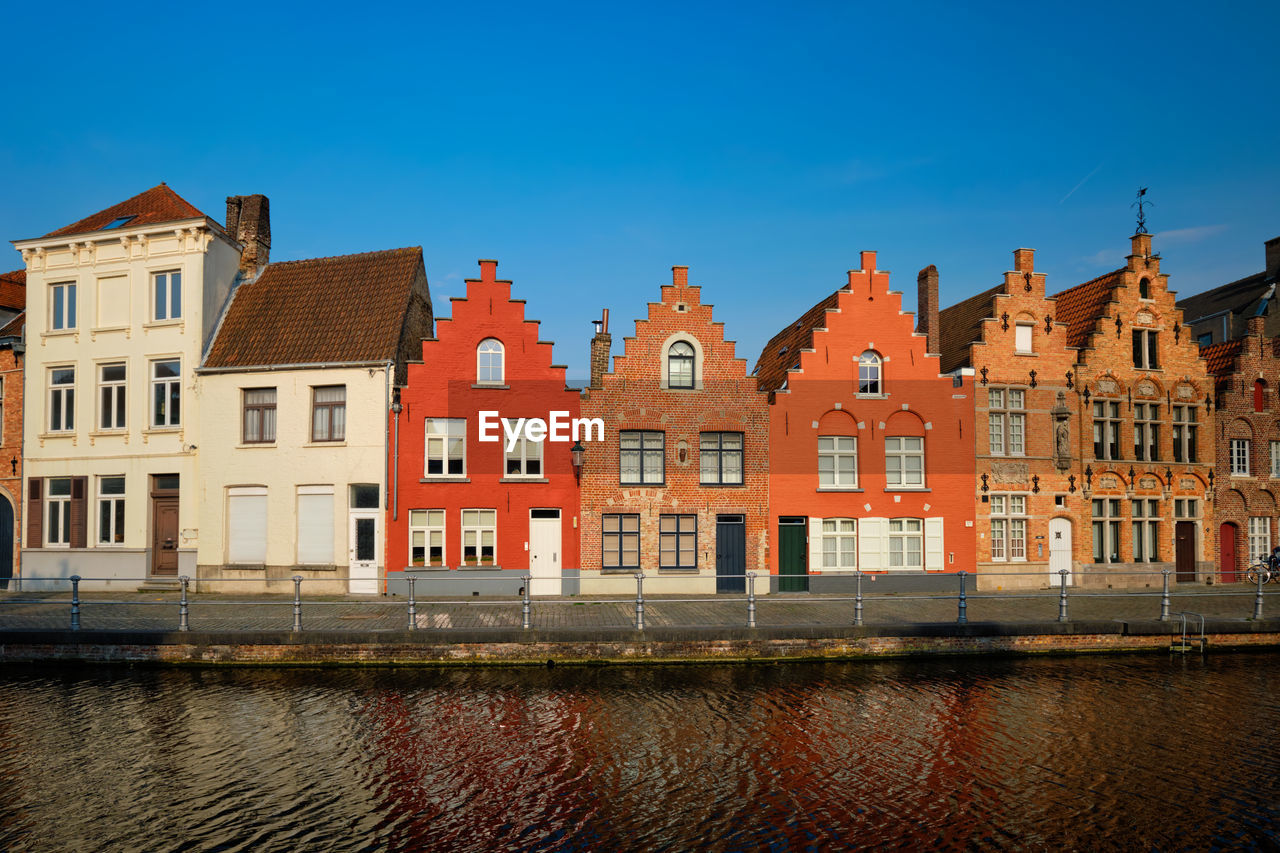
(13, 290)
(961, 325)
(342, 309)
(783, 350)
(1081, 306)
(13, 329)
(158, 204)
(1220, 358)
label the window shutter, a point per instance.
(815, 543)
(247, 526)
(79, 513)
(35, 512)
(872, 544)
(315, 529)
(934, 560)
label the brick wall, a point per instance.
(11, 444)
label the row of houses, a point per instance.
(194, 409)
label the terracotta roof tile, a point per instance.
(1220, 358)
(783, 350)
(960, 325)
(13, 329)
(13, 290)
(1081, 306)
(158, 204)
(341, 309)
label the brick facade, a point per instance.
(639, 396)
(11, 359)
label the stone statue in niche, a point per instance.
(1061, 433)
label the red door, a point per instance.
(1227, 544)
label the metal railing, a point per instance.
(415, 612)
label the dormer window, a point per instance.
(869, 373)
(118, 222)
(489, 362)
(680, 365)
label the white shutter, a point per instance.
(247, 525)
(933, 556)
(113, 301)
(815, 543)
(315, 526)
(873, 544)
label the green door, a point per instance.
(793, 569)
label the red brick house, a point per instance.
(679, 486)
(476, 515)
(13, 290)
(872, 446)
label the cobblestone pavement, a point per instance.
(230, 613)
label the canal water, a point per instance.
(1080, 753)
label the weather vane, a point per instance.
(1142, 213)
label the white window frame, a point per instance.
(171, 419)
(1259, 537)
(69, 317)
(1106, 530)
(1240, 451)
(65, 392)
(1146, 432)
(1150, 346)
(1147, 515)
(1022, 338)
(476, 523)
(1007, 422)
(1106, 430)
(1185, 431)
(896, 456)
(832, 451)
(524, 452)
(839, 541)
(685, 359)
(650, 452)
(870, 374)
(442, 437)
(428, 523)
(110, 504)
(115, 390)
(1009, 527)
(172, 280)
(487, 366)
(57, 507)
(714, 450)
(902, 533)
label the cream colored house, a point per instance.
(120, 305)
(295, 395)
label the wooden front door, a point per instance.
(164, 536)
(731, 553)
(544, 552)
(1227, 542)
(793, 555)
(1059, 550)
(1184, 541)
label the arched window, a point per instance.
(1144, 289)
(869, 364)
(1259, 395)
(680, 365)
(489, 361)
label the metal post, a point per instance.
(639, 601)
(1062, 597)
(962, 617)
(1164, 598)
(76, 602)
(413, 605)
(751, 599)
(526, 612)
(857, 602)
(182, 605)
(1257, 602)
(297, 602)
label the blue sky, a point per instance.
(589, 147)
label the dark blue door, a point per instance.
(731, 553)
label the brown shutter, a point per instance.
(79, 514)
(35, 512)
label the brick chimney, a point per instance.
(1257, 325)
(600, 346)
(249, 223)
(1024, 260)
(1273, 257)
(1141, 245)
(927, 307)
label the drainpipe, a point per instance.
(395, 460)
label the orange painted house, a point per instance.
(872, 448)
(470, 515)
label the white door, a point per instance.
(1059, 550)
(544, 552)
(363, 545)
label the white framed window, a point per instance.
(329, 413)
(57, 519)
(315, 525)
(525, 459)
(426, 537)
(1259, 537)
(1146, 349)
(1009, 527)
(1006, 421)
(720, 458)
(1240, 457)
(1146, 432)
(1146, 530)
(837, 461)
(166, 295)
(641, 457)
(1275, 459)
(479, 537)
(904, 462)
(1106, 430)
(166, 393)
(906, 543)
(446, 447)
(111, 510)
(1186, 508)
(839, 543)
(680, 365)
(620, 541)
(677, 542)
(247, 525)
(1022, 337)
(258, 422)
(1106, 530)
(490, 368)
(62, 306)
(870, 373)
(1185, 429)
(111, 396)
(62, 399)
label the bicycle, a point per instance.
(1264, 569)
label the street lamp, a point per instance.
(576, 453)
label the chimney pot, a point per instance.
(249, 223)
(601, 344)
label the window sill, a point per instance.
(427, 569)
(440, 479)
(908, 489)
(619, 570)
(721, 485)
(661, 485)
(479, 568)
(250, 445)
(871, 396)
(163, 324)
(492, 386)
(107, 433)
(1026, 354)
(100, 329)
(162, 430)
(246, 567)
(342, 443)
(524, 480)
(672, 570)
(839, 489)
(681, 388)
(59, 333)
(64, 433)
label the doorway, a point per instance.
(731, 553)
(1184, 545)
(1059, 550)
(545, 569)
(363, 539)
(1227, 542)
(164, 525)
(793, 565)
(6, 541)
